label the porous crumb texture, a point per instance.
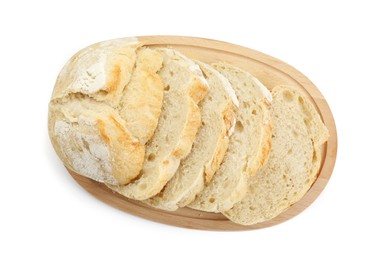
(184, 87)
(156, 126)
(248, 146)
(294, 160)
(218, 118)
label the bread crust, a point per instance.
(87, 99)
(229, 119)
(187, 137)
(100, 71)
(262, 153)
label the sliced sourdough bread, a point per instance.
(93, 134)
(294, 160)
(179, 121)
(248, 146)
(218, 120)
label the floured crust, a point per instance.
(94, 142)
(100, 71)
(98, 80)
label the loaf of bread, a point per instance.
(156, 126)
(96, 122)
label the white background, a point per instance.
(342, 46)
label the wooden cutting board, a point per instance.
(271, 72)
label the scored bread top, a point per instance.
(248, 147)
(100, 71)
(218, 120)
(294, 160)
(92, 140)
(180, 119)
(92, 114)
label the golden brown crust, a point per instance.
(127, 154)
(141, 102)
(229, 119)
(114, 79)
(100, 71)
(265, 144)
(88, 92)
(119, 69)
(118, 125)
(87, 126)
(222, 146)
(102, 130)
(199, 90)
(177, 126)
(189, 132)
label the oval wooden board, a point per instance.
(271, 72)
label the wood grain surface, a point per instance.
(271, 72)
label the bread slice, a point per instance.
(91, 129)
(248, 147)
(218, 120)
(141, 102)
(294, 160)
(177, 127)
